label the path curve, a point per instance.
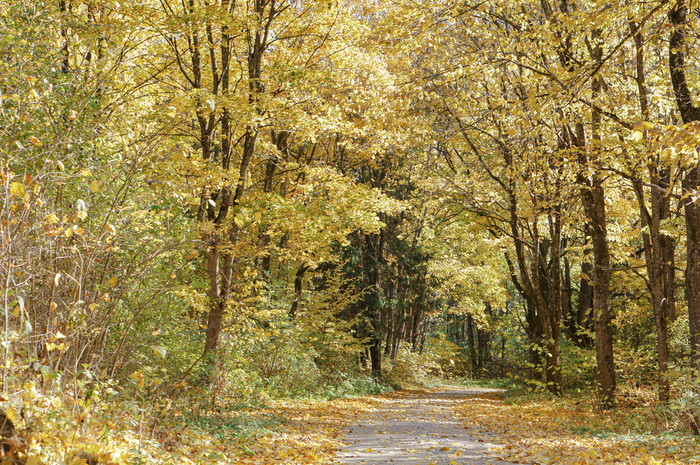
(420, 428)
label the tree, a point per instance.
(691, 181)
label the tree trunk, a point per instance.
(66, 8)
(533, 330)
(421, 338)
(372, 257)
(416, 325)
(593, 195)
(228, 198)
(298, 288)
(472, 345)
(534, 286)
(502, 371)
(388, 322)
(659, 249)
(398, 337)
(577, 321)
(399, 312)
(601, 298)
(691, 182)
(584, 309)
(567, 307)
(483, 340)
(555, 306)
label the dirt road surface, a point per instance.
(422, 428)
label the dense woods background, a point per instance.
(208, 203)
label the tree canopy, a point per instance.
(214, 201)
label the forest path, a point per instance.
(420, 428)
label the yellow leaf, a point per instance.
(35, 141)
(23, 116)
(111, 229)
(95, 186)
(636, 136)
(112, 281)
(10, 414)
(72, 115)
(17, 188)
(238, 220)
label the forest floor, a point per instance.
(455, 426)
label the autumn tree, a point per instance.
(691, 180)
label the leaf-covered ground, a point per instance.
(566, 432)
(569, 432)
(533, 431)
